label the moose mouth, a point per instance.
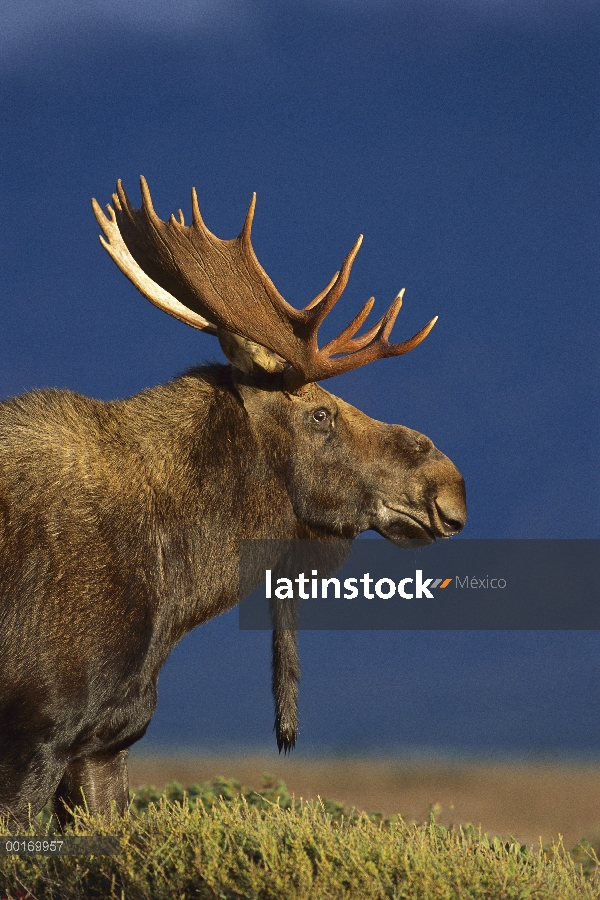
(414, 529)
(406, 528)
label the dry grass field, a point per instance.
(523, 800)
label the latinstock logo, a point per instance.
(411, 588)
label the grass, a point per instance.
(219, 840)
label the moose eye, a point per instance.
(320, 415)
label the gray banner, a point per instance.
(454, 584)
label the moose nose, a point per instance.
(452, 514)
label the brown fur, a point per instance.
(119, 531)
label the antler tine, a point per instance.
(197, 221)
(345, 341)
(408, 345)
(124, 204)
(329, 299)
(389, 319)
(196, 216)
(247, 229)
(147, 201)
(322, 293)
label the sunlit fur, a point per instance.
(119, 530)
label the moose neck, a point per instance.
(207, 483)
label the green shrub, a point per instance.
(220, 840)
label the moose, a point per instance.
(120, 521)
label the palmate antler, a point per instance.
(221, 283)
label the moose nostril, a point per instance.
(451, 525)
(451, 519)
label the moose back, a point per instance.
(120, 521)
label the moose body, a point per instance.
(120, 525)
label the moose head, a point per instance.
(345, 473)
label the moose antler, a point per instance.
(221, 283)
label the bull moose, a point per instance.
(120, 521)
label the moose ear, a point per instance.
(247, 356)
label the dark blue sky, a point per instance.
(461, 137)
